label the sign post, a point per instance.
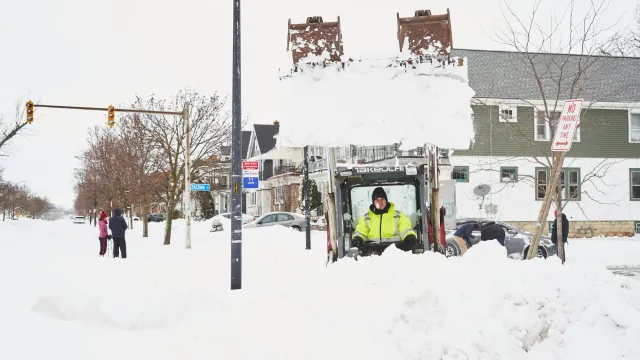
(560, 145)
(250, 175)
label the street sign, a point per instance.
(200, 187)
(250, 175)
(567, 125)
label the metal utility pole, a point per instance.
(307, 205)
(187, 175)
(236, 155)
(435, 198)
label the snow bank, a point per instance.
(165, 302)
(369, 103)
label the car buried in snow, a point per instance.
(516, 241)
(216, 221)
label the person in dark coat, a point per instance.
(118, 226)
(565, 228)
(492, 231)
(464, 236)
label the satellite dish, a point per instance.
(482, 190)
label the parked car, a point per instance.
(516, 241)
(79, 220)
(155, 218)
(216, 223)
(288, 219)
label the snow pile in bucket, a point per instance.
(369, 103)
(165, 302)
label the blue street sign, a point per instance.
(251, 183)
(200, 187)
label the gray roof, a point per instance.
(265, 135)
(246, 137)
(509, 75)
(225, 150)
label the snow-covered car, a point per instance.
(79, 220)
(216, 223)
(135, 218)
(288, 219)
(516, 241)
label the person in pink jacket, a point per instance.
(102, 224)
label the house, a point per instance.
(217, 173)
(279, 178)
(514, 124)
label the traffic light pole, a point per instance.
(184, 114)
(236, 155)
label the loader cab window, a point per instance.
(402, 195)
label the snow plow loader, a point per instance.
(421, 38)
(329, 91)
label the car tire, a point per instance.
(452, 249)
(542, 252)
(295, 227)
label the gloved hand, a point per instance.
(109, 237)
(357, 242)
(408, 243)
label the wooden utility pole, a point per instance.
(552, 182)
(560, 145)
(331, 205)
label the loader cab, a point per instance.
(406, 187)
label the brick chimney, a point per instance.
(276, 122)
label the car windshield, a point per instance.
(402, 195)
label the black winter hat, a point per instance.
(378, 192)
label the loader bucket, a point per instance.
(313, 38)
(427, 36)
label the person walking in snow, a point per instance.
(383, 225)
(118, 226)
(102, 236)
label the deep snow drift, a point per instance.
(165, 302)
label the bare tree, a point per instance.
(11, 129)
(210, 129)
(562, 62)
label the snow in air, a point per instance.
(60, 300)
(369, 102)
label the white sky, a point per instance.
(101, 52)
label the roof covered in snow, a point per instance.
(509, 75)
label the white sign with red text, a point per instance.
(567, 125)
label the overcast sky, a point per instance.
(101, 52)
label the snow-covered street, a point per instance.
(60, 300)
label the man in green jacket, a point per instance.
(383, 225)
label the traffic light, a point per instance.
(29, 111)
(111, 116)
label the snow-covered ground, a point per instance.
(61, 301)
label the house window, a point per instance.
(279, 200)
(544, 130)
(541, 183)
(634, 128)
(634, 184)
(460, 173)
(569, 179)
(508, 113)
(508, 174)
